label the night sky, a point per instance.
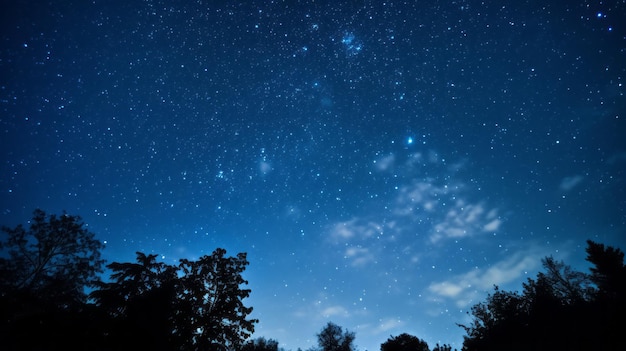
(383, 164)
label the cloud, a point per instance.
(433, 210)
(343, 230)
(443, 212)
(355, 228)
(418, 196)
(463, 289)
(384, 163)
(388, 324)
(359, 256)
(568, 183)
(465, 219)
(492, 226)
(323, 308)
(335, 311)
(446, 289)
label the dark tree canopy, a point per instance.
(260, 344)
(333, 338)
(608, 272)
(561, 309)
(46, 269)
(404, 342)
(212, 299)
(56, 258)
(195, 305)
(444, 347)
(44, 273)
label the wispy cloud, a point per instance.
(418, 196)
(355, 228)
(465, 219)
(380, 327)
(463, 289)
(423, 201)
(434, 209)
(385, 162)
(359, 256)
(492, 226)
(388, 324)
(569, 183)
(335, 311)
(323, 308)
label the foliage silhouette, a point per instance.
(404, 342)
(608, 307)
(260, 344)
(444, 347)
(195, 305)
(561, 309)
(56, 258)
(137, 303)
(44, 272)
(609, 272)
(333, 338)
(46, 269)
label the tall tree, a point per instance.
(210, 309)
(608, 271)
(404, 342)
(608, 314)
(333, 338)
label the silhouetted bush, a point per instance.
(404, 342)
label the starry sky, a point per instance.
(383, 163)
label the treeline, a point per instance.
(561, 309)
(333, 338)
(52, 297)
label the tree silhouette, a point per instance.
(443, 347)
(56, 259)
(195, 305)
(404, 342)
(333, 338)
(260, 344)
(608, 311)
(44, 271)
(137, 302)
(495, 322)
(609, 272)
(561, 309)
(210, 309)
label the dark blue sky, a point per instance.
(383, 164)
